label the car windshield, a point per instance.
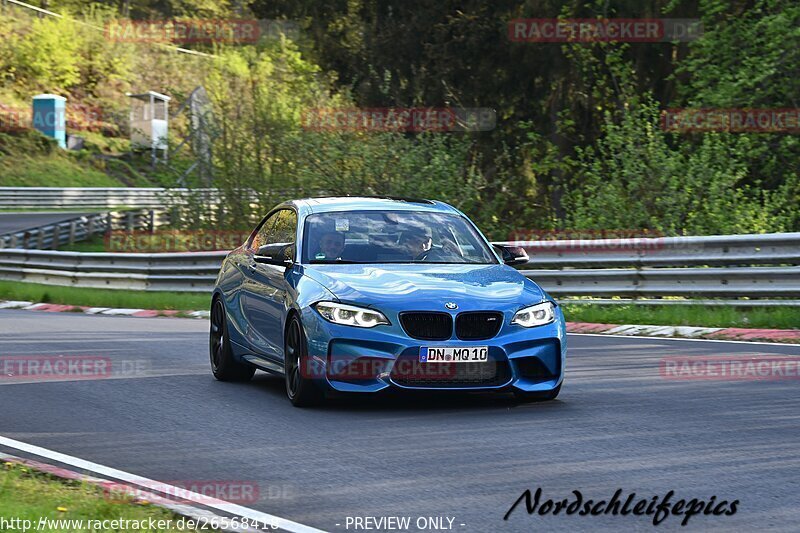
(392, 237)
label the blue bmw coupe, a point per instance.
(365, 294)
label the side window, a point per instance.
(278, 234)
(285, 228)
(262, 237)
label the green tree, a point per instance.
(47, 57)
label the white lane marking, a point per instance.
(205, 501)
(773, 344)
(163, 374)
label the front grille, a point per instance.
(478, 325)
(428, 326)
(409, 372)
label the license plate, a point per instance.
(443, 354)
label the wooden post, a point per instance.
(72, 226)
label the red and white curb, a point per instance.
(139, 313)
(131, 483)
(688, 332)
(628, 330)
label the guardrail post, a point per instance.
(90, 227)
(109, 222)
(130, 221)
(56, 237)
(152, 221)
(175, 217)
(72, 226)
(13, 241)
(40, 238)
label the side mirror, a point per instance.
(275, 254)
(512, 255)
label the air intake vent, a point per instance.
(533, 369)
(409, 372)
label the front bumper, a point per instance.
(350, 359)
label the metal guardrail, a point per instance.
(650, 282)
(184, 205)
(16, 198)
(715, 250)
(181, 272)
(100, 197)
(197, 271)
(82, 227)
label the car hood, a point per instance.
(419, 286)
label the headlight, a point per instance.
(349, 315)
(535, 315)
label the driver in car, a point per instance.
(415, 243)
(331, 246)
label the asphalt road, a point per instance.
(617, 424)
(14, 222)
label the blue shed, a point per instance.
(49, 116)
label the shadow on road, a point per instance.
(402, 401)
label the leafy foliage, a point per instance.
(578, 141)
(667, 185)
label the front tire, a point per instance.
(223, 365)
(301, 390)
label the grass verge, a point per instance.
(35, 292)
(29, 495)
(666, 315)
(96, 244)
(686, 315)
(29, 159)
